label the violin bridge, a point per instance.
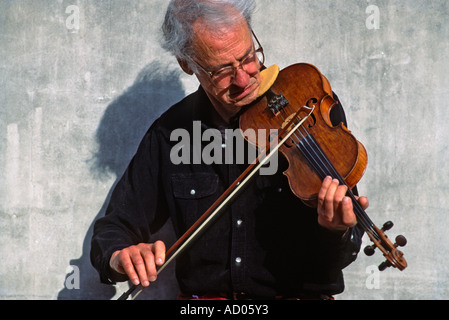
(287, 122)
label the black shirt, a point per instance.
(266, 243)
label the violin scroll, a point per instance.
(395, 257)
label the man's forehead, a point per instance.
(208, 43)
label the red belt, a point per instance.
(245, 296)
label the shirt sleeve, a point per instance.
(135, 210)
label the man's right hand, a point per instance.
(139, 262)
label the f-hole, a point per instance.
(310, 104)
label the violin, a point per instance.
(316, 149)
(295, 105)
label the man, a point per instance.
(267, 244)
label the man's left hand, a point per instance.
(335, 209)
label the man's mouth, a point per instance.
(238, 94)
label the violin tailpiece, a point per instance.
(276, 102)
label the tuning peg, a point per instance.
(401, 241)
(369, 250)
(384, 265)
(387, 226)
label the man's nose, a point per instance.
(241, 78)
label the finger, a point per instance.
(150, 267)
(364, 202)
(329, 200)
(341, 206)
(322, 193)
(348, 216)
(159, 252)
(140, 267)
(125, 262)
(339, 195)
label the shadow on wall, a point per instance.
(119, 133)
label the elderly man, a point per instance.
(267, 244)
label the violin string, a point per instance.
(325, 168)
(314, 155)
(320, 169)
(308, 145)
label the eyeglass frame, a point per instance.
(259, 50)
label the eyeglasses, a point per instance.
(223, 77)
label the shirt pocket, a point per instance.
(194, 193)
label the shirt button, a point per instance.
(239, 222)
(223, 145)
(192, 192)
(238, 260)
(279, 190)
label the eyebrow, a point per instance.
(230, 64)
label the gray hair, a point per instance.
(177, 29)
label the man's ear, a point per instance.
(185, 67)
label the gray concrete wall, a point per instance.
(81, 81)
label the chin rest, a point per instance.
(268, 77)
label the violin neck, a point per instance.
(323, 167)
